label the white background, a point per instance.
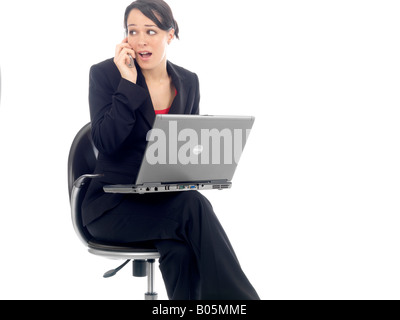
(321, 220)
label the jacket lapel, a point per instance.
(179, 103)
(147, 110)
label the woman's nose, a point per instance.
(142, 40)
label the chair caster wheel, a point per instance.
(151, 296)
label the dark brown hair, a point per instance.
(157, 11)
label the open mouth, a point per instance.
(145, 54)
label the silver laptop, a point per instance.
(190, 152)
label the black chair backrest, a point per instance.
(81, 161)
(82, 156)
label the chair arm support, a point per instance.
(82, 179)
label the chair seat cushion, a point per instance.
(125, 247)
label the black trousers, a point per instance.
(197, 260)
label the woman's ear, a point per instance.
(171, 34)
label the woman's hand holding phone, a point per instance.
(124, 60)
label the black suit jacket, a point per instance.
(121, 114)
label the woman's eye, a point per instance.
(132, 32)
(151, 32)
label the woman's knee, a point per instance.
(194, 201)
(172, 250)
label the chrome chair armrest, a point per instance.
(82, 179)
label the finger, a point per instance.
(120, 47)
(127, 51)
(132, 53)
(125, 58)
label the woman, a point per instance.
(197, 260)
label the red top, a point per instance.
(165, 111)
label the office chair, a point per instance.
(81, 164)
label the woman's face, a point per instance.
(147, 40)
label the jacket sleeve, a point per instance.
(112, 111)
(196, 102)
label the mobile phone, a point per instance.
(132, 63)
